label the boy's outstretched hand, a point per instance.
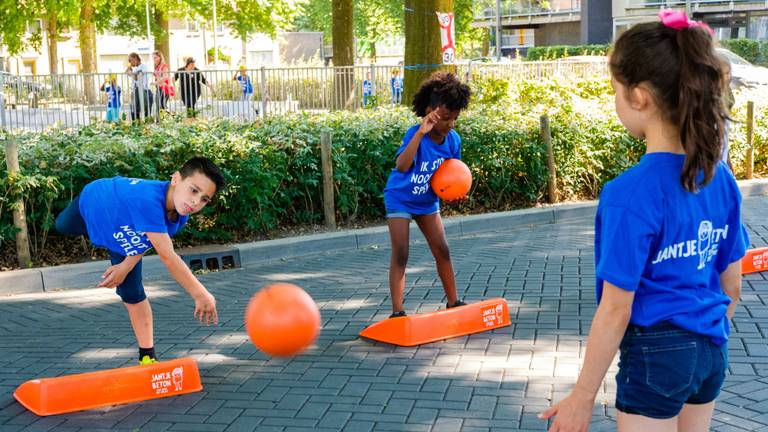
(114, 276)
(205, 309)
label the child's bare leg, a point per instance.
(141, 321)
(398, 235)
(432, 228)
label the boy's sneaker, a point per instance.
(147, 360)
(457, 304)
(398, 314)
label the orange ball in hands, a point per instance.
(452, 180)
(282, 320)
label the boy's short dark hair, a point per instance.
(441, 89)
(207, 168)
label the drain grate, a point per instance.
(209, 258)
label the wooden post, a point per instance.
(546, 136)
(326, 156)
(12, 162)
(750, 162)
(264, 87)
(19, 215)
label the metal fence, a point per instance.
(43, 101)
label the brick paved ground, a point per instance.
(491, 381)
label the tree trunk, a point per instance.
(95, 47)
(343, 54)
(163, 43)
(486, 43)
(87, 46)
(422, 42)
(53, 42)
(373, 52)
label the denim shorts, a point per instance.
(664, 366)
(70, 222)
(393, 213)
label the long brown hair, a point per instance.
(159, 54)
(686, 77)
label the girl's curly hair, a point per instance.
(441, 89)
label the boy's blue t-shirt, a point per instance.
(669, 245)
(410, 191)
(113, 96)
(118, 211)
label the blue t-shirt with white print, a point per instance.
(670, 245)
(410, 191)
(367, 88)
(118, 211)
(114, 95)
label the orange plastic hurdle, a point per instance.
(419, 329)
(756, 260)
(48, 396)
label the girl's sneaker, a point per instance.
(397, 314)
(457, 304)
(147, 360)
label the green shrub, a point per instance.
(753, 51)
(273, 165)
(555, 52)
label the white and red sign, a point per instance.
(447, 44)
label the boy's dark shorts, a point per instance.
(70, 222)
(663, 367)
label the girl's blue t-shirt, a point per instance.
(410, 191)
(118, 211)
(669, 245)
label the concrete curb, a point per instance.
(77, 275)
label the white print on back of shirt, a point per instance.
(131, 241)
(421, 181)
(705, 246)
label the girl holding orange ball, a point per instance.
(408, 194)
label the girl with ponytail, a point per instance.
(668, 239)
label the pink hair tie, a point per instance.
(679, 21)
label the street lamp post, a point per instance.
(149, 34)
(215, 46)
(498, 30)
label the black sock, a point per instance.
(147, 352)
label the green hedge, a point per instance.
(273, 166)
(753, 51)
(555, 52)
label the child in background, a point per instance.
(114, 98)
(396, 83)
(367, 90)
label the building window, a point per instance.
(758, 27)
(34, 26)
(193, 26)
(260, 58)
(517, 38)
(29, 67)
